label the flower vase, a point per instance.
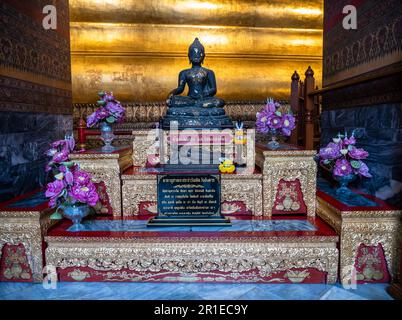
(343, 184)
(75, 213)
(107, 137)
(273, 144)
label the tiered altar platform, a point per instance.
(275, 237)
(277, 250)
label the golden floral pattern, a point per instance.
(14, 264)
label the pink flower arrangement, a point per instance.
(110, 110)
(275, 118)
(71, 185)
(344, 158)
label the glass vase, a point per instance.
(274, 143)
(107, 137)
(75, 213)
(344, 181)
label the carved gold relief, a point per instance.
(247, 190)
(364, 227)
(29, 235)
(289, 166)
(26, 228)
(193, 256)
(107, 167)
(136, 191)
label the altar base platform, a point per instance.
(267, 250)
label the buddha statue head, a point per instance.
(196, 52)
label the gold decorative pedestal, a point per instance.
(26, 226)
(107, 167)
(362, 225)
(289, 164)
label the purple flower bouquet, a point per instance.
(344, 160)
(110, 111)
(72, 190)
(275, 119)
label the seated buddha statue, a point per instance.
(200, 108)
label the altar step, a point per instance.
(276, 250)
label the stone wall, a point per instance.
(35, 91)
(366, 63)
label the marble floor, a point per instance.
(237, 225)
(190, 291)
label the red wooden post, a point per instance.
(309, 85)
(82, 126)
(294, 104)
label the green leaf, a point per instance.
(355, 164)
(68, 164)
(56, 216)
(110, 119)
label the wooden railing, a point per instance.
(306, 105)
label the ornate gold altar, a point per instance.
(281, 187)
(289, 257)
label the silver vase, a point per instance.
(107, 137)
(75, 213)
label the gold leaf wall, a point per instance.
(137, 48)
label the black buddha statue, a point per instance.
(199, 109)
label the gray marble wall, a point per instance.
(379, 131)
(24, 137)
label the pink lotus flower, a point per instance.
(102, 113)
(363, 170)
(110, 109)
(331, 151)
(271, 120)
(275, 122)
(69, 177)
(61, 156)
(59, 143)
(342, 168)
(358, 154)
(85, 194)
(288, 124)
(108, 96)
(81, 178)
(270, 107)
(54, 189)
(349, 141)
(91, 120)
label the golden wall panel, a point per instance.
(134, 78)
(137, 48)
(257, 13)
(137, 39)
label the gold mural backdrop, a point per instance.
(137, 48)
